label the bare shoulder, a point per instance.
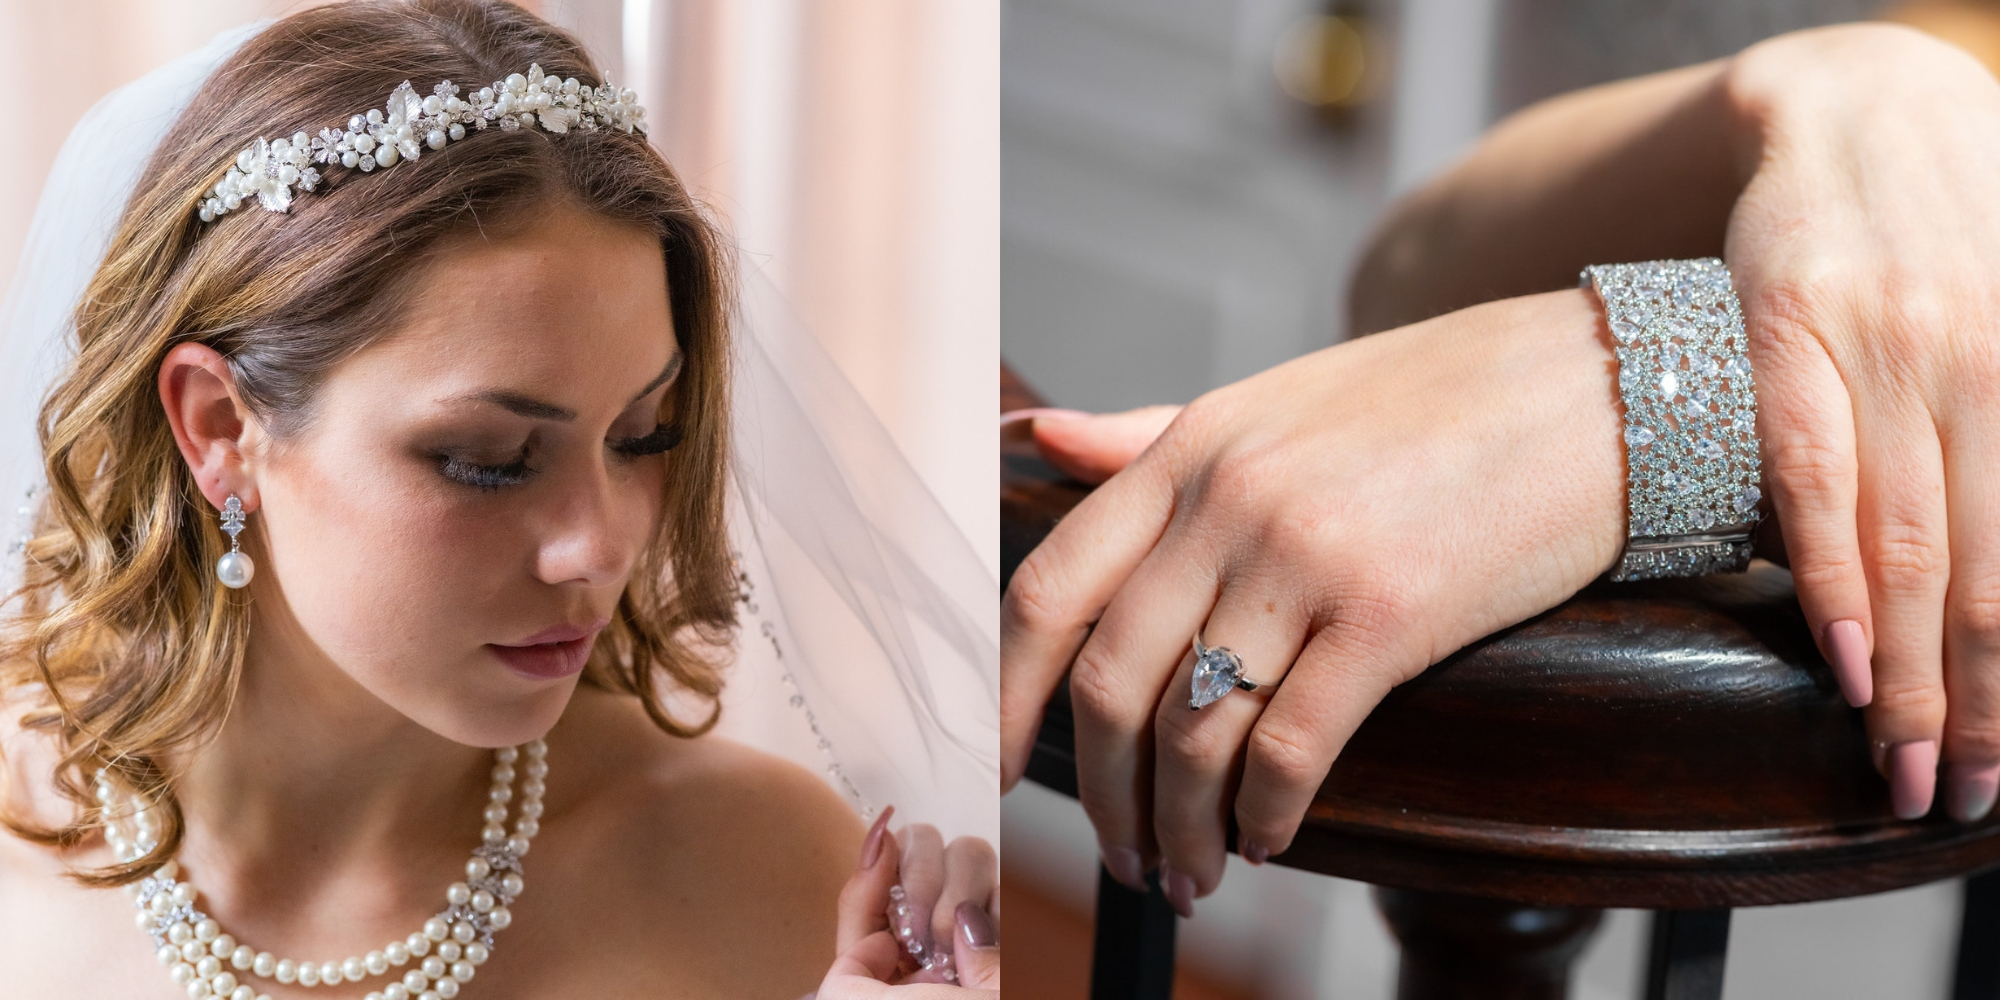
(716, 789)
(730, 851)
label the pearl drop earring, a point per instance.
(234, 569)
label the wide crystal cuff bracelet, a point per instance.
(1690, 416)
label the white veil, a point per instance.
(869, 647)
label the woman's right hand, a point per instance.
(951, 892)
(1364, 511)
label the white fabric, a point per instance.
(869, 647)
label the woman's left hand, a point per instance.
(952, 891)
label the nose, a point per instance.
(593, 538)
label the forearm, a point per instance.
(1653, 167)
(1636, 170)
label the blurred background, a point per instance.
(852, 147)
(1186, 186)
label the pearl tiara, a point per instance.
(409, 124)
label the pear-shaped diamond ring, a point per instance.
(1217, 671)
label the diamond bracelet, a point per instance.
(1690, 416)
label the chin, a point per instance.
(500, 719)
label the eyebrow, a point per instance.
(535, 409)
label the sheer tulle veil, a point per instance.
(868, 648)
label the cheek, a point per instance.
(378, 567)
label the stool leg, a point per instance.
(1978, 976)
(1134, 954)
(1467, 948)
(1690, 948)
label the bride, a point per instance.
(388, 562)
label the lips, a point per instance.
(551, 653)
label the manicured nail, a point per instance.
(1039, 413)
(871, 849)
(1913, 777)
(975, 928)
(1180, 890)
(1970, 791)
(1847, 654)
(1124, 865)
(1252, 851)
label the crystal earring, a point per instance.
(234, 569)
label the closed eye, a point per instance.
(662, 439)
(486, 477)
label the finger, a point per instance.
(871, 960)
(923, 882)
(1093, 448)
(971, 871)
(866, 894)
(1061, 589)
(1121, 674)
(1196, 751)
(1906, 554)
(976, 947)
(1972, 624)
(1806, 421)
(1345, 669)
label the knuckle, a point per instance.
(1110, 811)
(1917, 705)
(1034, 603)
(1976, 620)
(1808, 470)
(1184, 741)
(1237, 479)
(1974, 742)
(1787, 312)
(1285, 755)
(1097, 695)
(1299, 527)
(1905, 556)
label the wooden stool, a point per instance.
(1677, 746)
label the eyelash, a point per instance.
(487, 478)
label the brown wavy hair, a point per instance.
(127, 647)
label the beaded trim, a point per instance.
(270, 171)
(1690, 416)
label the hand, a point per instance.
(1862, 248)
(1851, 171)
(954, 889)
(1341, 521)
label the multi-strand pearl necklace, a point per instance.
(211, 964)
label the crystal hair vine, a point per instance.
(271, 170)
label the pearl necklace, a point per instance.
(211, 965)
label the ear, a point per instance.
(213, 428)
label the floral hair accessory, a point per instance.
(271, 170)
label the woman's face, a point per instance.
(461, 513)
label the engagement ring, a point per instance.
(1217, 671)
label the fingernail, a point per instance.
(1252, 851)
(1847, 654)
(1180, 890)
(871, 849)
(1124, 865)
(975, 928)
(1913, 777)
(1970, 791)
(1040, 413)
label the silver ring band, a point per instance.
(1690, 416)
(1217, 671)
